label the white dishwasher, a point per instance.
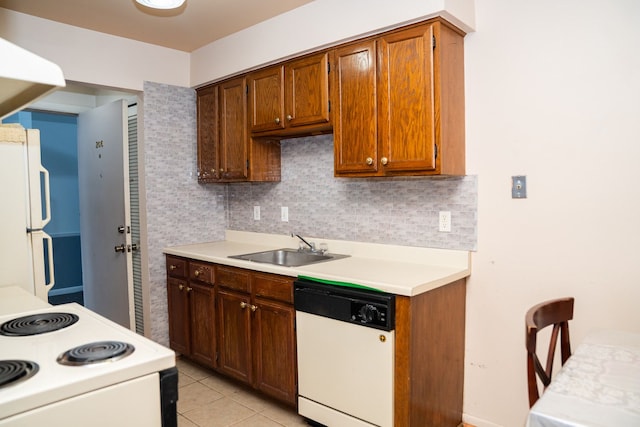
(345, 338)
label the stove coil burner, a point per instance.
(14, 371)
(36, 324)
(96, 352)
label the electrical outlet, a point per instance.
(444, 223)
(256, 213)
(284, 213)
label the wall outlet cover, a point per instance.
(444, 221)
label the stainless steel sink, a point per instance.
(289, 257)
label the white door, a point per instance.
(103, 177)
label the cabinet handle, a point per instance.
(289, 117)
(277, 120)
(172, 267)
(384, 161)
(243, 304)
(369, 161)
(196, 273)
(253, 307)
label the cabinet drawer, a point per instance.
(274, 287)
(176, 267)
(201, 271)
(233, 278)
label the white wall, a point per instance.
(92, 57)
(552, 92)
(314, 25)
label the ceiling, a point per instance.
(193, 25)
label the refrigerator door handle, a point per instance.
(47, 202)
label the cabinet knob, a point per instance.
(369, 161)
(172, 267)
(253, 307)
(243, 304)
(180, 287)
(384, 161)
(189, 288)
(289, 117)
(213, 171)
(277, 120)
(196, 273)
(221, 170)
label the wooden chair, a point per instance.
(555, 312)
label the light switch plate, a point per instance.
(284, 214)
(256, 213)
(519, 187)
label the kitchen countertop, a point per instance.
(400, 270)
(14, 299)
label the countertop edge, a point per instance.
(395, 269)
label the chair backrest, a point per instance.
(555, 312)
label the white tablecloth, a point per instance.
(599, 386)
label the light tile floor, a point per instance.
(207, 399)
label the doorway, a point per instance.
(56, 116)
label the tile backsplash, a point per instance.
(401, 211)
(179, 211)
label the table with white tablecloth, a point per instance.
(599, 386)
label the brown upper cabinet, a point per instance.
(292, 98)
(394, 101)
(225, 152)
(398, 102)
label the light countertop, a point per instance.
(401, 270)
(14, 299)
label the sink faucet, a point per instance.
(312, 246)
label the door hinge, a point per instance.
(435, 151)
(433, 41)
(247, 164)
(246, 89)
(328, 67)
(329, 102)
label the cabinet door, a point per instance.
(235, 350)
(275, 353)
(208, 137)
(354, 110)
(202, 317)
(307, 91)
(406, 119)
(233, 130)
(178, 305)
(266, 99)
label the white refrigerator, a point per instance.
(26, 251)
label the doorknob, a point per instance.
(120, 248)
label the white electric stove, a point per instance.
(90, 371)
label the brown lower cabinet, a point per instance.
(242, 324)
(244, 327)
(191, 302)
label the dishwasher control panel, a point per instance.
(358, 306)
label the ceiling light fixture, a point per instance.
(161, 4)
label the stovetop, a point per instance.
(54, 381)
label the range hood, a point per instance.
(24, 77)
